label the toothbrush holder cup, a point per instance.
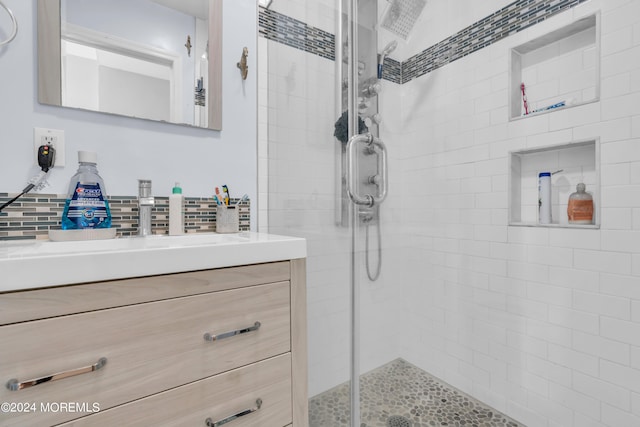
(227, 219)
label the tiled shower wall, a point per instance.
(509, 20)
(541, 323)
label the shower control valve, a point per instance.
(372, 90)
(361, 67)
(374, 179)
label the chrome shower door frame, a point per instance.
(373, 146)
(352, 105)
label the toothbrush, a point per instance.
(524, 99)
(217, 200)
(551, 107)
(243, 199)
(227, 197)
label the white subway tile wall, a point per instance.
(572, 312)
(541, 323)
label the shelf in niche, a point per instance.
(560, 66)
(579, 162)
(553, 225)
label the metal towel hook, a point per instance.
(244, 68)
(15, 25)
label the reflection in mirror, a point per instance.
(148, 59)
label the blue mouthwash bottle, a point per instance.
(86, 205)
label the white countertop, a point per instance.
(29, 264)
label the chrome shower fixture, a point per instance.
(389, 48)
(401, 16)
(371, 90)
(376, 119)
(385, 52)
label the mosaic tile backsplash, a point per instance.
(513, 18)
(33, 215)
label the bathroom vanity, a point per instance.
(191, 330)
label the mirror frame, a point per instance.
(49, 60)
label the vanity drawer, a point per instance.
(216, 398)
(149, 348)
(50, 302)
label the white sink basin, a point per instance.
(29, 264)
(44, 248)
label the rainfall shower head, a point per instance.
(401, 16)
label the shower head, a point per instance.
(401, 16)
(389, 48)
(385, 52)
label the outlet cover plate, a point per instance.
(54, 137)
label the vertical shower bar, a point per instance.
(341, 205)
(352, 39)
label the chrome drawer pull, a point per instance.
(15, 385)
(233, 417)
(211, 337)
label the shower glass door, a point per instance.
(316, 89)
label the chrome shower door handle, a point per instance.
(352, 179)
(380, 150)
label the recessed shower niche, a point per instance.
(558, 70)
(570, 164)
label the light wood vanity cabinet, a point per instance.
(176, 350)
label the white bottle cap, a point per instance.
(87, 157)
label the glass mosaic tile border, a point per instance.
(509, 20)
(513, 18)
(392, 70)
(292, 32)
(33, 215)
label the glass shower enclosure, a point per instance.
(323, 175)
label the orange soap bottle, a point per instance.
(580, 207)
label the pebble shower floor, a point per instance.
(400, 394)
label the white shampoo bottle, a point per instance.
(544, 198)
(176, 211)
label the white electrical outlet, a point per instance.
(53, 137)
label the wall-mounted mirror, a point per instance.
(151, 59)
